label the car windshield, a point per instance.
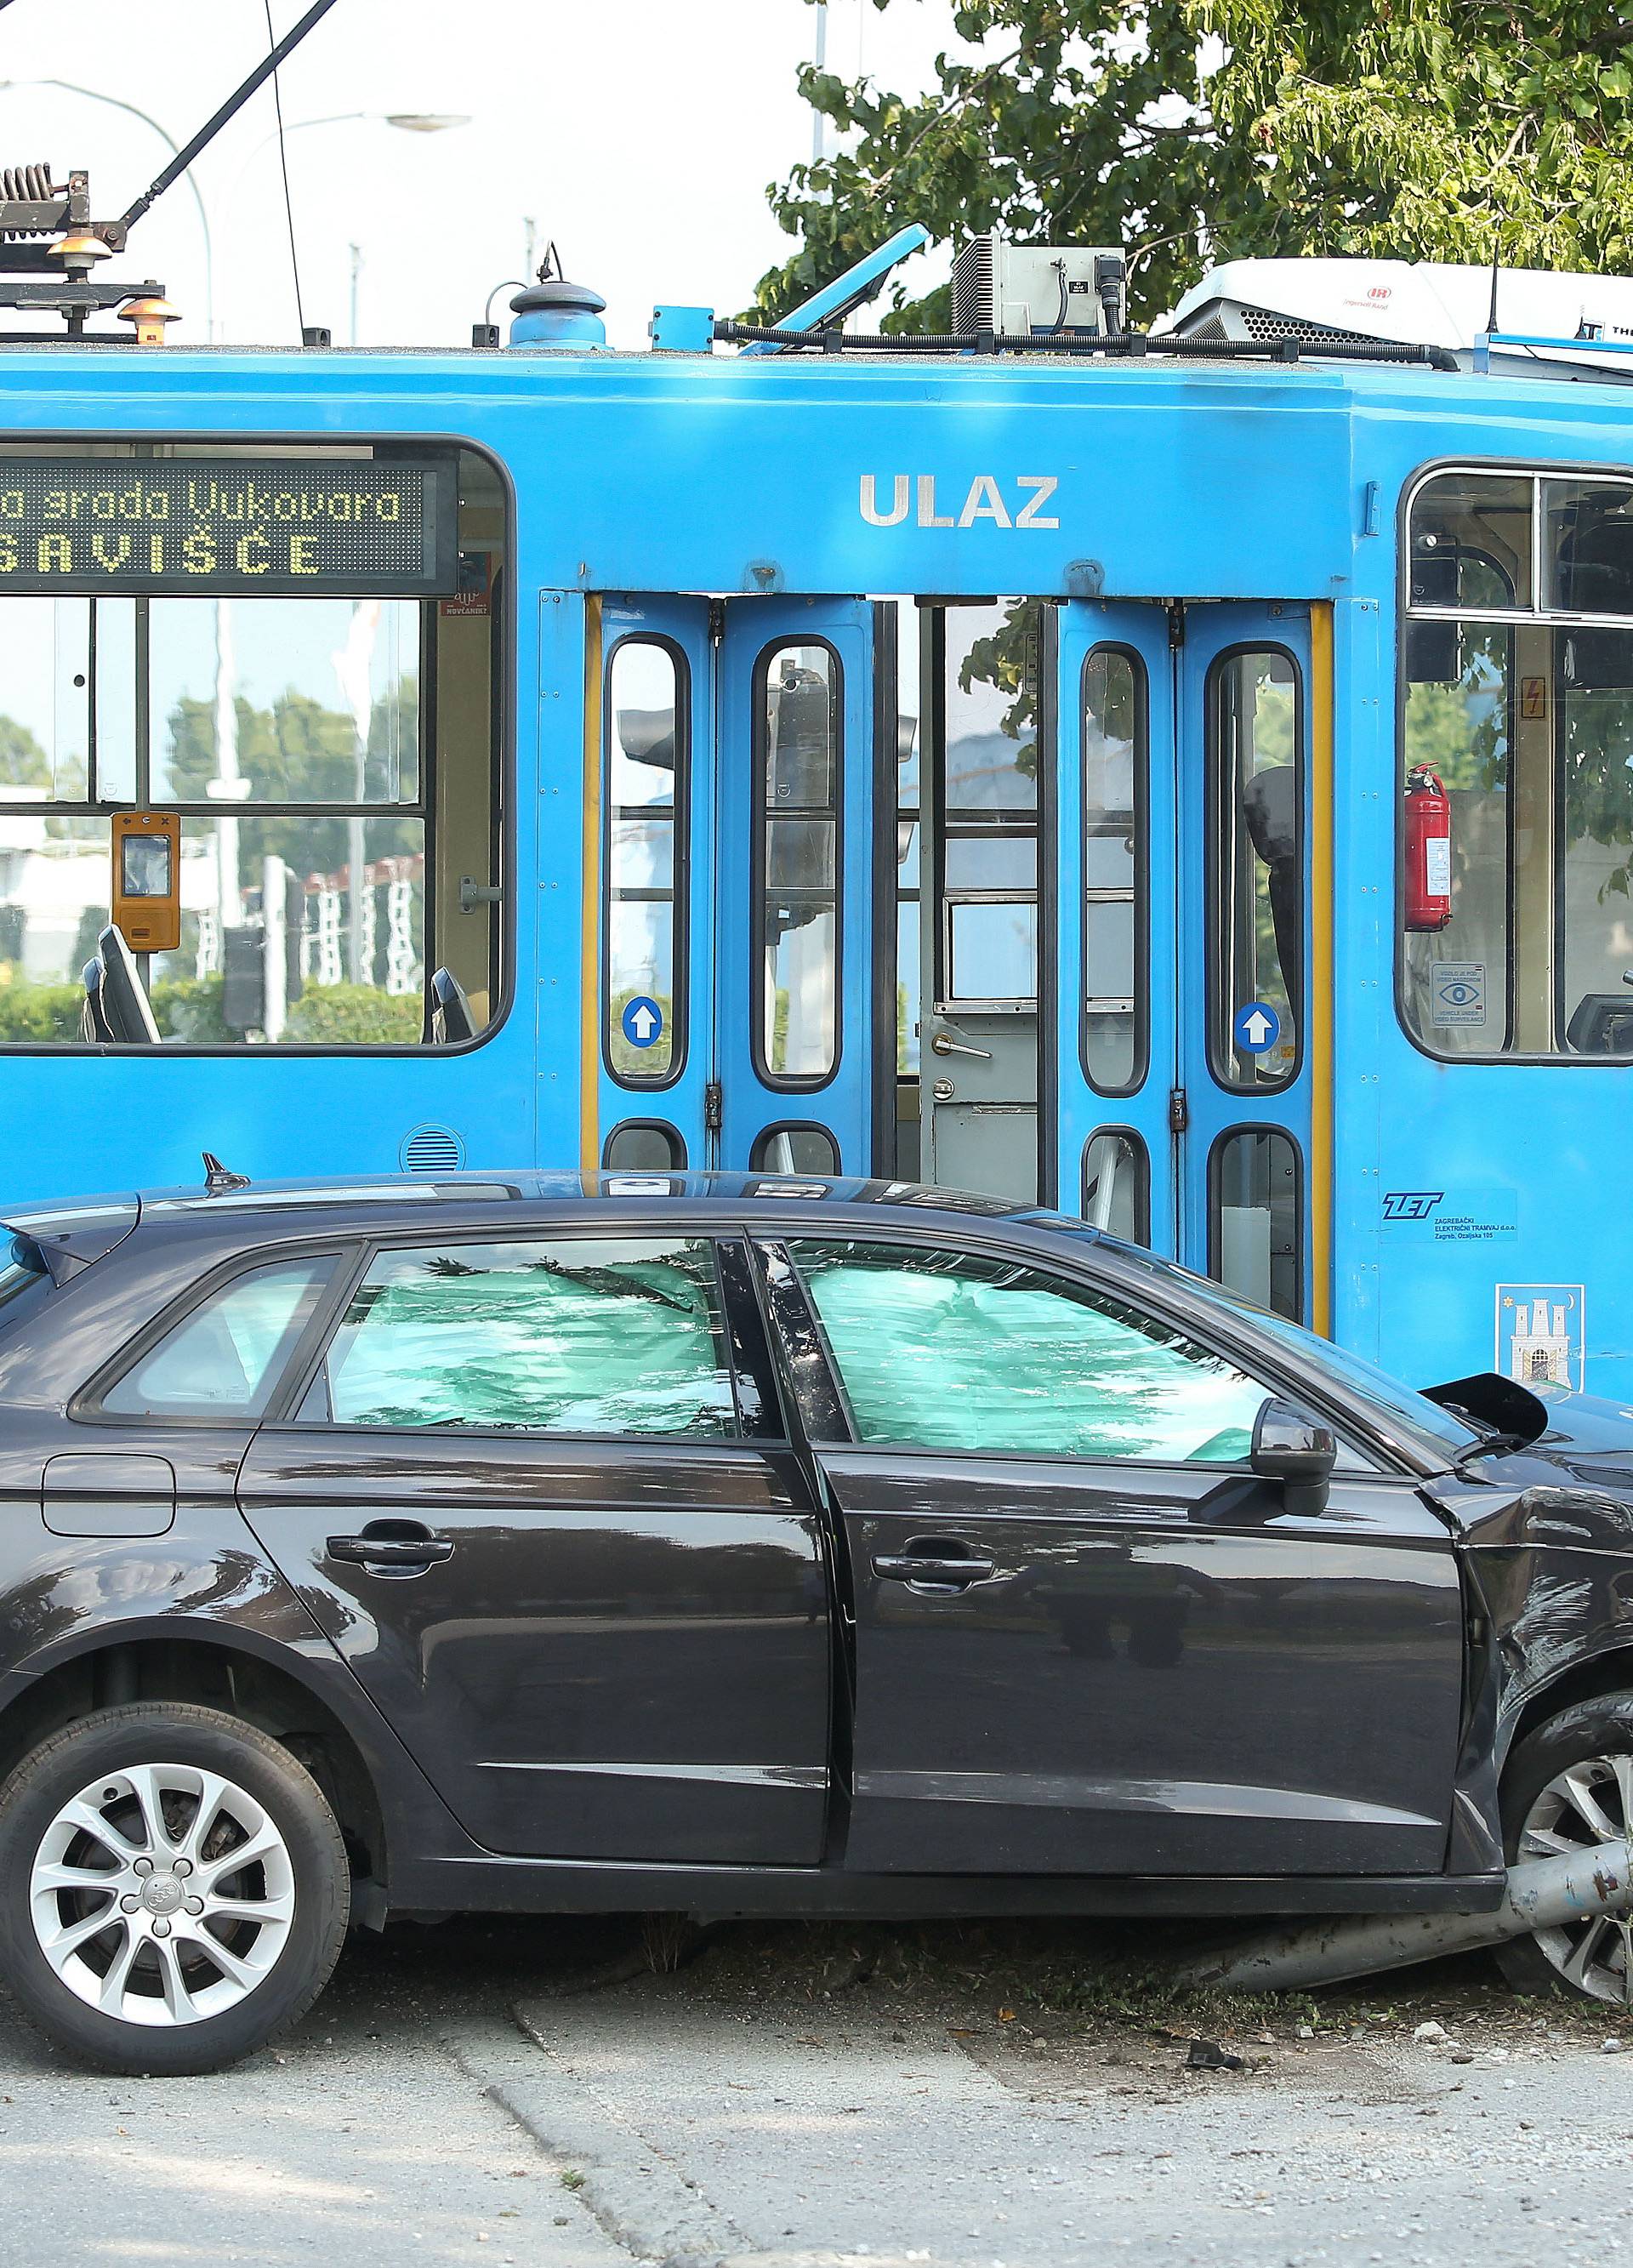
(1392, 1404)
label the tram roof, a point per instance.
(848, 473)
(91, 368)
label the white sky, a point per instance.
(639, 133)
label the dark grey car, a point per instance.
(737, 1545)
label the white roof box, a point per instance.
(1420, 303)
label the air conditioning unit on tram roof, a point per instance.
(1421, 303)
(1073, 290)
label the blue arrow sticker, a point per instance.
(1256, 1028)
(643, 1021)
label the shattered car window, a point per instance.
(605, 1336)
(957, 1351)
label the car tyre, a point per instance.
(1569, 1785)
(136, 1815)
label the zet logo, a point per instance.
(1411, 1205)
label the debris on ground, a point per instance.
(1208, 2055)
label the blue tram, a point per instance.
(1193, 790)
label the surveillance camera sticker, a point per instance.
(1539, 1335)
(1457, 991)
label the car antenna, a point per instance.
(217, 1180)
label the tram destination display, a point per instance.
(229, 527)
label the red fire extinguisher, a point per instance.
(1428, 851)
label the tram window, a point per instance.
(989, 857)
(803, 1150)
(992, 952)
(1117, 1184)
(1253, 1217)
(1471, 541)
(1515, 799)
(1587, 546)
(644, 1147)
(1256, 870)
(333, 762)
(1593, 752)
(284, 701)
(113, 679)
(646, 794)
(797, 958)
(1455, 980)
(1114, 869)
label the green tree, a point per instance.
(298, 751)
(1196, 130)
(23, 764)
(23, 761)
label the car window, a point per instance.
(949, 1351)
(591, 1336)
(1391, 1405)
(225, 1356)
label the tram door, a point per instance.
(984, 802)
(739, 981)
(1182, 861)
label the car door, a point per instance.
(531, 1495)
(1088, 1639)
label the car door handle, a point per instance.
(923, 1567)
(396, 1549)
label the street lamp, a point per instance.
(406, 122)
(114, 102)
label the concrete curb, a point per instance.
(630, 2187)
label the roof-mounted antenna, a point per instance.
(1497, 250)
(217, 1180)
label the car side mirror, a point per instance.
(1300, 1452)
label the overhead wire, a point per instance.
(289, 205)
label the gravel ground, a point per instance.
(795, 2096)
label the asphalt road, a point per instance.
(798, 2098)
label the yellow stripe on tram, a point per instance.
(1322, 1004)
(590, 916)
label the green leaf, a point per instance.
(1368, 126)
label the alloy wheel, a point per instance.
(162, 1895)
(1587, 1804)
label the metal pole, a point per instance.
(339, 118)
(820, 59)
(273, 945)
(356, 252)
(228, 784)
(1538, 1894)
